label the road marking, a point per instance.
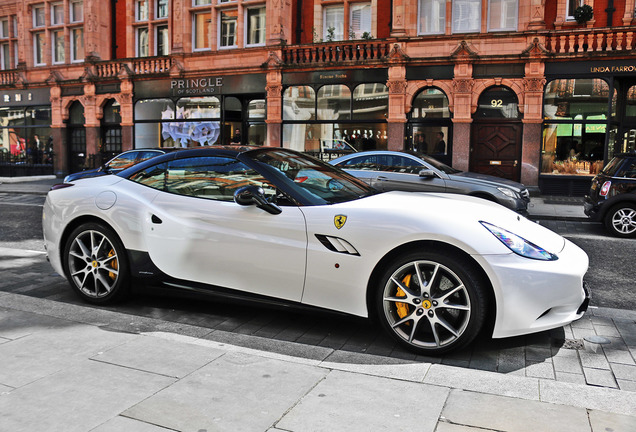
(21, 204)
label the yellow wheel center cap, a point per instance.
(94, 264)
(426, 304)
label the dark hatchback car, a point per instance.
(612, 197)
(119, 163)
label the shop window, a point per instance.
(360, 20)
(431, 17)
(76, 11)
(370, 101)
(498, 102)
(575, 113)
(630, 102)
(256, 127)
(161, 9)
(429, 125)
(25, 133)
(57, 13)
(333, 27)
(208, 107)
(255, 26)
(334, 102)
(38, 48)
(201, 31)
(38, 15)
(227, 36)
(502, 15)
(299, 103)
(77, 44)
(466, 16)
(162, 41)
(58, 46)
(142, 42)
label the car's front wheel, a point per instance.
(620, 220)
(431, 302)
(95, 264)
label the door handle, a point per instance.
(156, 220)
(382, 178)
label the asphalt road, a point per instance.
(611, 275)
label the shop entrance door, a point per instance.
(76, 138)
(496, 149)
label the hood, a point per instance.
(452, 216)
(487, 179)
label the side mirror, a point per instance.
(254, 195)
(428, 173)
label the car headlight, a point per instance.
(519, 245)
(509, 192)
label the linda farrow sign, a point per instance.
(590, 68)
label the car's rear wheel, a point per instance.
(620, 220)
(431, 302)
(95, 264)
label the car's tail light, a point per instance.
(605, 188)
(300, 179)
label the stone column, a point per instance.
(125, 99)
(537, 15)
(398, 28)
(279, 22)
(462, 115)
(274, 89)
(60, 162)
(397, 98)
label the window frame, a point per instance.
(503, 29)
(455, 6)
(38, 11)
(207, 43)
(220, 35)
(569, 14)
(138, 47)
(247, 25)
(71, 11)
(55, 7)
(158, 29)
(55, 52)
(74, 58)
(420, 7)
(141, 14)
(4, 35)
(39, 36)
(158, 7)
(325, 26)
(362, 30)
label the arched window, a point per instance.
(299, 103)
(334, 102)
(429, 126)
(371, 101)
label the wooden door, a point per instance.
(496, 149)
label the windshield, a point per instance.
(316, 181)
(437, 164)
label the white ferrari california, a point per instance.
(271, 223)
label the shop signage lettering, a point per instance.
(612, 69)
(25, 97)
(16, 97)
(332, 76)
(194, 86)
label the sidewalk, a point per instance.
(75, 368)
(541, 207)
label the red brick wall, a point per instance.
(120, 33)
(384, 19)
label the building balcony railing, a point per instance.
(592, 40)
(336, 52)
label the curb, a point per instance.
(13, 180)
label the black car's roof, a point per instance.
(217, 150)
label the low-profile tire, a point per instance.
(620, 220)
(96, 265)
(431, 302)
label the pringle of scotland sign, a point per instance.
(195, 86)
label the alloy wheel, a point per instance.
(93, 264)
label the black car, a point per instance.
(612, 197)
(119, 163)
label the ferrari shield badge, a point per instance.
(339, 221)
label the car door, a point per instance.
(196, 232)
(402, 173)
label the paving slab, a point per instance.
(483, 381)
(120, 424)
(602, 421)
(78, 398)
(372, 403)
(43, 353)
(598, 398)
(236, 392)
(507, 414)
(160, 356)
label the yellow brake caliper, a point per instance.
(113, 265)
(403, 308)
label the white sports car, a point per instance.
(271, 223)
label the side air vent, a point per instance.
(336, 244)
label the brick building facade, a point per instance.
(516, 89)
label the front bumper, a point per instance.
(534, 296)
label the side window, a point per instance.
(212, 177)
(369, 163)
(402, 164)
(630, 170)
(153, 176)
(123, 161)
